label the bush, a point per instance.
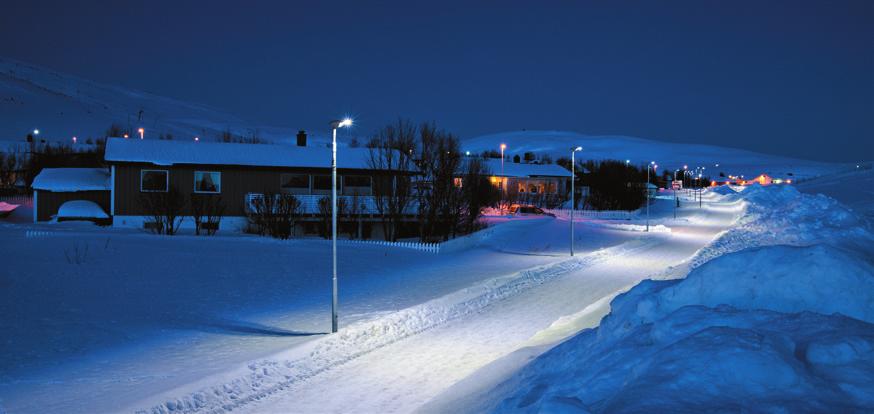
(207, 211)
(164, 211)
(274, 215)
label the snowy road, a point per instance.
(403, 375)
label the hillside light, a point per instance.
(334, 126)
(573, 178)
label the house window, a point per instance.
(356, 184)
(154, 181)
(457, 182)
(207, 182)
(322, 183)
(294, 183)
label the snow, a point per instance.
(512, 169)
(641, 151)
(176, 152)
(777, 314)
(77, 209)
(72, 179)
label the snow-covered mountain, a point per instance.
(62, 106)
(639, 151)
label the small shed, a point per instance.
(56, 186)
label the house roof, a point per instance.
(162, 152)
(72, 179)
(519, 170)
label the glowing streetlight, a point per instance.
(141, 132)
(74, 140)
(125, 136)
(35, 132)
(334, 126)
(573, 204)
(652, 165)
(196, 139)
(503, 147)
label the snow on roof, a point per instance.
(512, 169)
(161, 152)
(72, 179)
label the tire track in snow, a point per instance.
(262, 378)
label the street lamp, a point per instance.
(35, 132)
(573, 178)
(141, 132)
(334, 125)
(503, 147)
(652, 165)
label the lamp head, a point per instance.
(503, 147)
(346, 122)
(577, 149)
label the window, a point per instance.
(154, 181)
(207, 182)
(294, 183)
(356, 184)
(322, 183)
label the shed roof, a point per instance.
(72, 179)
(161, 152)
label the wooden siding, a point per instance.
(48, 203)
(236, 182)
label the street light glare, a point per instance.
(346, 122)
(503, 147)
(35, 132)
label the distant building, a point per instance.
(544, 185)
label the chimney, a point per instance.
(301, 138)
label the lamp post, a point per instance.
(503, 147)
(142, 132)
(573, 204)
(334, 126)
(653, 165)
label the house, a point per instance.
(53, 187)
(544, 185)
(236, 174)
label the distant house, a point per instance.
(545, 185)
(238, 174)
(53, 187)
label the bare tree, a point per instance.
(207, 211)
(390, 156)
(164, 211)
(275, 214)
(441, 202)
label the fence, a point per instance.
(424, 247)
(596, 214)
(23, 200)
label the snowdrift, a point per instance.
(785, 325)
(81, 209)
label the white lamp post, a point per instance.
(142, 132)
(652, 165)
(573, 178)
(503, 147)
(334, 125)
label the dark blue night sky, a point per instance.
(785, 77)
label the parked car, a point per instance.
(528, 210)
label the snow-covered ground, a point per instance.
(777, 316)
(101, 320)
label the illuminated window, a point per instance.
(207, 182)
(154, 181)
(457, 182)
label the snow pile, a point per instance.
(81, 209)
(72, 179)
(768, 329)
(783, 215)
(777, 315)
(723, 190)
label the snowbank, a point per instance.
(72, 179)
(79, 209)
(785, 326)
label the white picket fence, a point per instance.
(22, 200)
(424, 247)
(33, 234)
(596, 214)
